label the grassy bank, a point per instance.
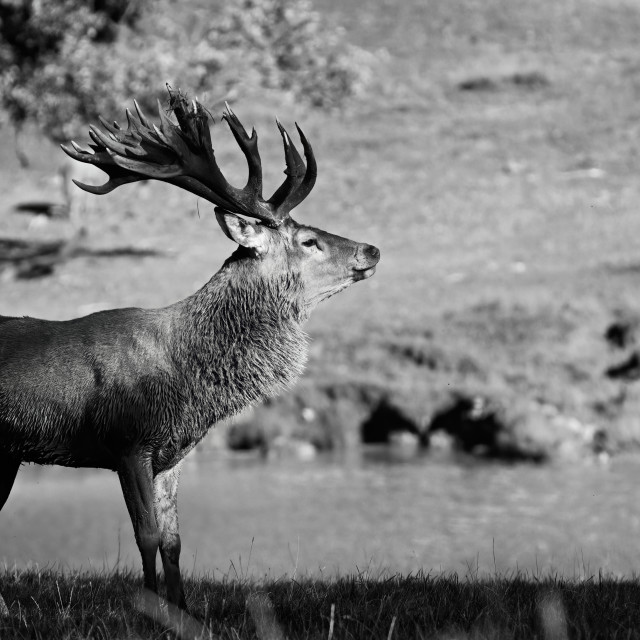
(47, 604)
(495, 164)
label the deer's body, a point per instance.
(134, 390)
(86, 392)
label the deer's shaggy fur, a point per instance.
(154, 380)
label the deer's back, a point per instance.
(82, 392)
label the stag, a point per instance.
(134, 390)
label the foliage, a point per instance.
(288, 46)
(63, 62)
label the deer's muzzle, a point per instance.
(367, 257)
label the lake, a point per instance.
(371, 511)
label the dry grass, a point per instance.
(47, 604)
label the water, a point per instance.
(323, 517)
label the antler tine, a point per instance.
(141, 116)
(78, 148)
(249, 146)
(110, 142)
(295, 174)
(113, 129)
(311, 173)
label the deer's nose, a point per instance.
(372, 252)
(366, 256)
(368, 253)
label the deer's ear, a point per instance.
(243, 232)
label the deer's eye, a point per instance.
(311, 242)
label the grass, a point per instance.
(48, 603)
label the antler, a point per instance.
(182, 154)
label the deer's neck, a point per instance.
(241, 340)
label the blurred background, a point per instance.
(474, 406)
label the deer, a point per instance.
(134, 390)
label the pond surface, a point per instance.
(323, 517)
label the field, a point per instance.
(495, 163)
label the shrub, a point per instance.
(63, 62)
(288, 45)
(52, 58)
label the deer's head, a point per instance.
(183, 155)
(324, 263)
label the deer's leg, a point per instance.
(166, 509)
(136, 479)
(8, 471)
